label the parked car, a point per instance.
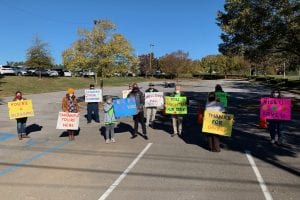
(67, 73)
(31, 71)
(88, 73)
(20, 71)
(6, 70)
(46, 72)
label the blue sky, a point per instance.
(169, 25)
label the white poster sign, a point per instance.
(67, 121)
(125, 93)
(94, 95)
(154, 99)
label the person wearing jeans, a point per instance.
(21, 122)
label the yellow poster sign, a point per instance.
(217, 123)
(19, 109)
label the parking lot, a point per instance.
(48, 166)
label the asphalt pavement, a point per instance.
(47, 166)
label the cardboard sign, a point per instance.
(125, 93)
(275, 108)
(67, 121)
(222, 96)
(176, 105)
(124, 107)
(94, 95)
(19, 109)
(154, 99)
(217, 123)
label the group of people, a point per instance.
(70, 104)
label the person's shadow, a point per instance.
(66, 134)
(33, 128)
(120, 128)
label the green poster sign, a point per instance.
(176, 105)
(222, 96)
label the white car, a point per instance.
(67, 73)
(6, 70)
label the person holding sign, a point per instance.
(139, 117)
(92, 109)
(69, 104)
(213, 105)
(177, 118)
(150, 111)
(275, 125)
(21, 122)
(109, 120)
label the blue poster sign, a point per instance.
(124, 107)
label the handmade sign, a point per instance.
(125, 93)
(275, 108)
(154, 99)
(19, 109)
(94, 95)
(176, 105)
(124, 107)
(222, 96)
(67, 121)
(217, 123)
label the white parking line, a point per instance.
(259, 178)
(123, 175)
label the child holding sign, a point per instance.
(109, 120)
(275, 125)
(21, 122)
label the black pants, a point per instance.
(93, 109)
(139, 118)
(213, 142)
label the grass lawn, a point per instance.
(32, 85)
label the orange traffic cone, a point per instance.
(263, 123)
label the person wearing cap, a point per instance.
(150, 111)
(177, 118)
(69, 104)
(92, 109)
(139, 117)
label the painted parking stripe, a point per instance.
(5, 136)
(259, 178)
(29, 160)
(123, 175)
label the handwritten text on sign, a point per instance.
(217, 123)
(67, 121)
(176, 105)
(93, 95)
(154, 99)
(275, 108)
(19, 109)
(125, 107)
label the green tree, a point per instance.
(38, 55)
(259, 28)
(102, 50)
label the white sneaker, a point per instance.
(113, 140)
(107, 141)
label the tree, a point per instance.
(101, 49)
(38, 55)
(260, 28)
(176, 63)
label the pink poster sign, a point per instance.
(275, 108)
